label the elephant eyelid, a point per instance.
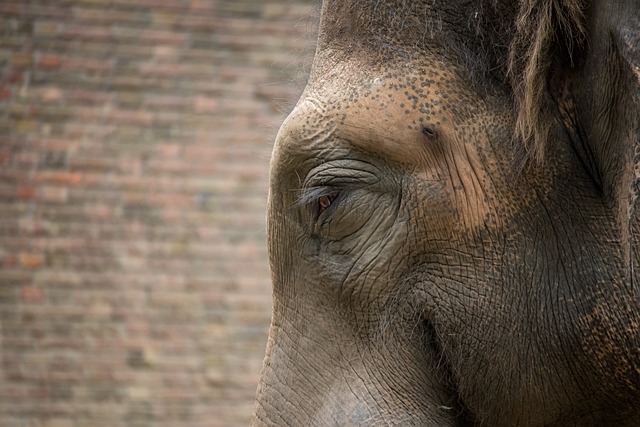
(311, 195)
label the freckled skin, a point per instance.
(421, 274)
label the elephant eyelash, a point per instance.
(309, 195)
(321, 197)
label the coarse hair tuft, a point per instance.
(545, 30)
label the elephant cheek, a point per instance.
(318, 373)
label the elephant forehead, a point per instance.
(402, 120)
(402, 116)
(411, 23)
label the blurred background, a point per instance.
(135, 138)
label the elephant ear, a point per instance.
(604, 104)
(628, 39)
(605, 89)
(545, 31)
(590, 51)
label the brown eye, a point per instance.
(325, 201)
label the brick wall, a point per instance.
(135, 138)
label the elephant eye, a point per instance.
(325, 201)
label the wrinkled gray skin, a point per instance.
(423, 272)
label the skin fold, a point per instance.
(452, 221)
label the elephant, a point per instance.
(453, 225)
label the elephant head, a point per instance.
(452, 219)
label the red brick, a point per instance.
(5, 92)
(158, 36)
(166, 69)
(162, 4)
(49, 61)
(30, 294)
(89, 96)
(86, 31)
(134, 168)
(165, 52)
(171, 102)
(201, 5)
(14, 76)
(59, 177)
(57, 144)
(131, 116)
(27, 192)
(25, 126)
(31, 260)
(12, 8)
(170, 150)
(22, 59)
(50, 93)
(95, 65)
(108, 16)
(9, 260)
(53, 194)
(204, 104)
(59, 422)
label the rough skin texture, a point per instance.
(452, 222)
